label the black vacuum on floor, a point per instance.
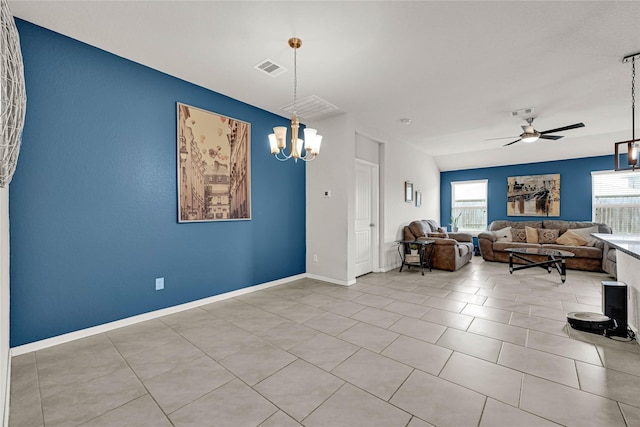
(614, 306)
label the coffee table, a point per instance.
(555, 258)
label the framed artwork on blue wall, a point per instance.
(533, 195)
(214, 171)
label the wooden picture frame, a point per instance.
(408, 192)
(213, 164)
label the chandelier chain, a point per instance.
(633, 98)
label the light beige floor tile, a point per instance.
(573, 306)
(374, 373)
(620, 359)
(142, 336)
(373, 300)
(444, 304)
(568, 406)
(448, 318)
(417, 422)
(471, 344)
(497, 330)
(432, 291)
(80, 402)
(492, 293)
(280, 419)
(256, 363)
(368, 336)
(438, 401)
(141, 412)
(258, 321)
(186, 383)
(465, 297)
(484, 377)
(299, 388)
(344, 308)
(471, 290)
(541, 301)
(316, 300)
(549, 313)
(631, 414)
(299, 312)
(26, 406)
(608, 383)
(154, 361)
(324, 351)
(350, 407)
(498, 414)
(330, 323)
(538, 363)
(407, 309)
(377, 317)
(405, 296)
(222, 342)
(419, 329)
(288, 334)
(234, 404)
(562, 346)
(488, 313)
(380, 290)
(507, 305)
(539, 324)
(421, 355)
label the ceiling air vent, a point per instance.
(271, 68)
(311, 106)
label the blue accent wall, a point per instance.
(93, 203)
(575, 186)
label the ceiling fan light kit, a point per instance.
(530, 134)
(633, 145)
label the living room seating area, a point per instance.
(451, 251)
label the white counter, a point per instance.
(627, 269)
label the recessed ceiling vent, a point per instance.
(271, 68)
(523, 114)
(311, 106)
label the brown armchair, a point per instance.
(450, 250)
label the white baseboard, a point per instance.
(83, 333)
(330, 280)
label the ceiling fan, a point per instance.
(532, 135)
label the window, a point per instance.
(469, 200)
(616, 200)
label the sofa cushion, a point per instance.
(440, 235)
(547, 235)
(501, 246)
(500, 224)
(556, 224)
(504, 235)
(532, 234)
(585, 232)
(463, 250)
(419, 228)
(579, 251)
(571, 238)
(518, 235)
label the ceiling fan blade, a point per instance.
(574, 126)
(513, 142)
(554, 137)
(504, 137)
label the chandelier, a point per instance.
(633, 146)
(278, 139)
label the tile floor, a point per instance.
(477, 347)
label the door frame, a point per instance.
(375, 212)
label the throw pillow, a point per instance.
(504, 234)
(440, 235)
(532, 234)
(586, 234)
(571, 238)
(518, 235)
(546, 235)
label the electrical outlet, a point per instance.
(315, 257)
(159, 283)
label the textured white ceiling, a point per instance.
(457, 69)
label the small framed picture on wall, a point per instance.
(408, 191)
(418, 198)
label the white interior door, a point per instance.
(365, 217)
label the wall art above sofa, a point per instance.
(533, 195)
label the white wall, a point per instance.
(4, 299)
(330, 232)
(330, 225)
